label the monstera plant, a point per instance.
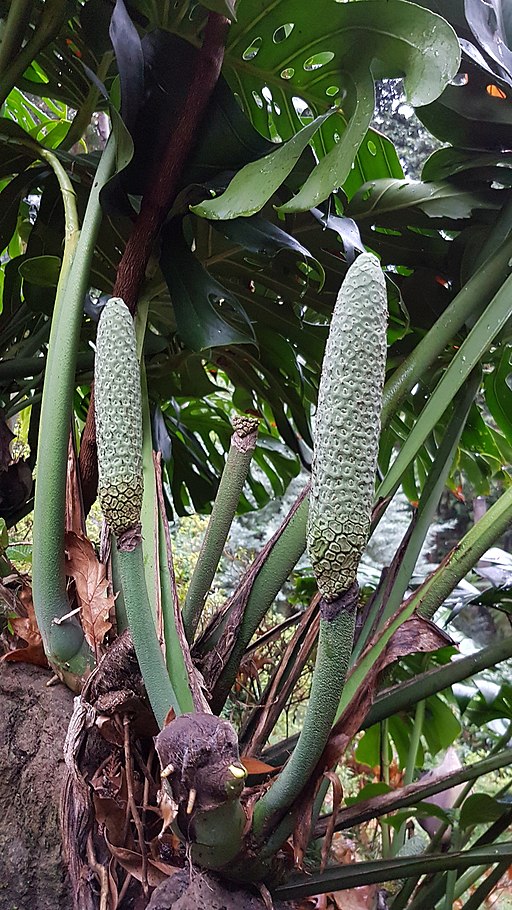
(168, 302)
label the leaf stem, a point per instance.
(243, 442)
(83, 116)
(337, 621)
(13, 31)
(142, 627)
(53, 16)
(471, 299)
(64, 643)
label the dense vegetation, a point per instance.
(229, 194)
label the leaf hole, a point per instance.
(460, 79)
(331, 91)
(258, 100)
(251, 51)
(288, 73)
(495, 92)
(372, 148)
(318, 60)
(302, 109)
(283, 32)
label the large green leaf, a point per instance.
(255, 183)
(207, 315)
(286, 65)
(498, 390)
(380, 198)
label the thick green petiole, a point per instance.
(140, 620)
(64, 642)
(334, 648)
(243, 442)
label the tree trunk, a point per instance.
(33, 725)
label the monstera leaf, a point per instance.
(313, 69)
(475, 112)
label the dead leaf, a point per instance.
(74, 520)
(90, 577)
(26, 628)
(157, 872)
(32, 654)
(255, 766)
(355, 898)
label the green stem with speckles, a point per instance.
(334, 648)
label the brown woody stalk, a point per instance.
(155, 205)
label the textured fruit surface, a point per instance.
(118, 417)
(347, 428)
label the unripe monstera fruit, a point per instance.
(347, 428)
(118, 410)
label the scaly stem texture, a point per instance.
(62, 642)
(334, 647)
(243, 442)
(155, 207)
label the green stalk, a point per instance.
(337, 622)
(428, 504)
(353, 875)
(408, 796)
(384, 764)
(64, 643)
(53, 16)
(402, 697)
(286, 549)
(234, 475)
(466, 554)
(434, 591)
(470, 352)
(471, 299)
(451, 876)
(477, 899)
(432, 892)
(13, 32)
(149, 511)
(21, 367)
(147, 647)
(176, 667)
(408, 693)
(410, 766)
(83, 116)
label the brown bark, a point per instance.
(33, 724)
(154, 208)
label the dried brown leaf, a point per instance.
(355, 898)
(157, 872)
(32, 654)
(74, 520)
(90, 577)
(255, 766)
(26, 628)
